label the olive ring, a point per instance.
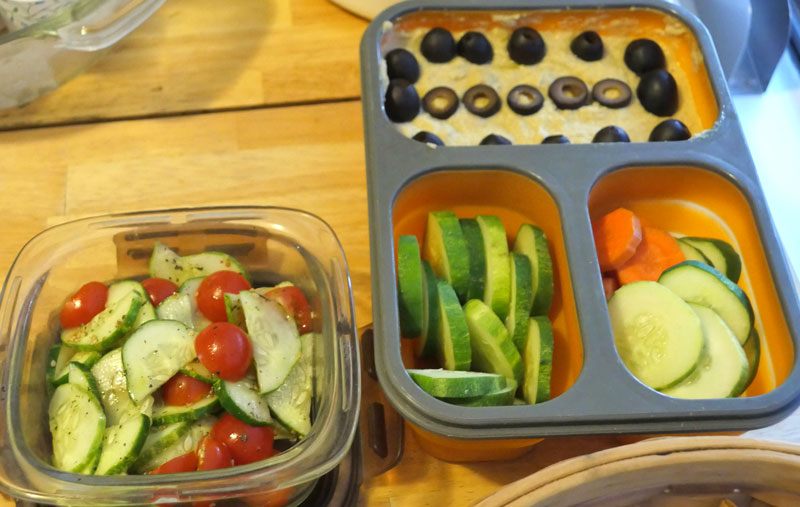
(440, 102)
(569, 92)
(481, 100)
(612, 93)
(525, 100)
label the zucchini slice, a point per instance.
(519, 312)
(477, 258)
(537, 354)
(446, 249)
(409, 286)
(532, 242)
(456, 383)
(453, 347)
(492, 349)
(497, 290)
(428, 341)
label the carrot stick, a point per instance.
(616, 236)
(657, 251)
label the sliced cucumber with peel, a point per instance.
(118, 290)
(720, 254)
(57, 371)
(658, 336)
(197, 371)
(752, 350)
(518, 316)
(165, 263)
(492, 348)
(176, 307)
(122, 445)
(428, 341)
(504, 396)
(189, 288)
(453, 347)
(107, 327)
(167, 414)
(701, 284)
(112, 383)
(722, 370)
(157, 443)
(243, 400)
(233, 310)
(497, 290)
(531, 241)
(409, 286)
(691, 252)
(477, 258)
(81, 375)
(457, 384)
(77, 424)
(291, 402)
(537, 355)
(446, 249)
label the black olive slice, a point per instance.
(643, 55)
(475, 47)
(401, 64)
(525, 100)
(526, 46)
(611, 134)
(555, 139)
(438, 46)
(440, 102)
(658, 92)
(612, 93)
(428, 138)
(568, 92)
(587, 46)
(401, 102)
(481, 100)
(495, 139)
(670, 130)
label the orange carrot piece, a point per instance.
(657, 252)
(610, 285)
(616, 236)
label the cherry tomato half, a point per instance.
(184, 463)
(159, 289)
(296, 305)
(225, 350)
(272, 499)
(212, 455)
(82, 306)
(183, 390)
(247, 444)
(210, 299)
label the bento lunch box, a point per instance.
(704, 186)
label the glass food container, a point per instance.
(273, 244)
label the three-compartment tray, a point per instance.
(707, 186)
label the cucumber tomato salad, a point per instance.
(190, 369)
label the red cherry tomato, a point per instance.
(247, 443)
(272, 499)
(84, 304)
(210, 299)
(183, 390)
(159, 289)
(212, 455)
(225, 350)
(296, 305)
(184, 463)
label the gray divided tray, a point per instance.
(602, 397)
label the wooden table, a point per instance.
(256, 102)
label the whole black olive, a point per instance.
(475, 47)
(658, 92)
(612, 93)
(643, 55)
(670, 130)
(611, 134)
(481, 100)
(401, 102)
(495, 139)
(587, 46)
(428, 138)
(525, 100)
(440, 102)
(555, 139)
(526, 46)
(438, 46)
(401, 64)
(568, 92)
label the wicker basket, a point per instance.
(666, 472)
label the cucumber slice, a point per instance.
(199, 372)
(122, 445)
(658, 336)
(722, 371)
(87, 358)
(698, 283)
(427, 343)
(532, 242)
(291, 402)
(176, 307)
(81, 375)
(77, 424)
(118, 290)
(497, 291)
(692, 253)
(233, 310)
(154, 353)
(752, 349)
(537, 354)
(721, 255)
(189, 287)
(492, 349)
(276, 342)
(477, 258)
(457, 384)
(499, 398)
(446, 249)
(521, 299)
(58, 358)
(165, 263)
(165, 414)
(453, 347)
(409, 286)
(168, 442)
(243, 401)
(117, 403)
(107, 327)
